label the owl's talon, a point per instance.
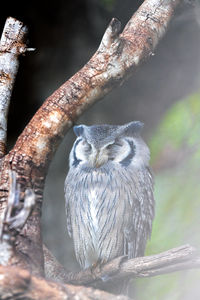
(119, 260)
(106, 278)
(94, 266)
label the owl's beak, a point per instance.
(97, 160)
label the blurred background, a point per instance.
(164, 93)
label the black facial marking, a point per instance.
(127, 160)
(76, 161)
(109, 146)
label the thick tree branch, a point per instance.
(117, 56)
(11, 46)
(17, 284)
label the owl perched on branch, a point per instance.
(109, 193)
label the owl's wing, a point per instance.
(67, 206)
(142, 205)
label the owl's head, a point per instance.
(98, 145)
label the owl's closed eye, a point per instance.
(87, 146)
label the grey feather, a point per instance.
(109, 193)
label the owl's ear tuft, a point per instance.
(78, 130)
(133, 127)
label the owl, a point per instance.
(109, 193)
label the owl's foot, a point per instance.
(112, 267)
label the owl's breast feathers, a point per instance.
(109, 211)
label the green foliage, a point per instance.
(175, 148)
(179, 126)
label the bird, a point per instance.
(109, 193)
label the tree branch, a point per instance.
(52, 268)
(17, 284)
(184, 257)
(11, 46)
(118, 55)
(173, 260)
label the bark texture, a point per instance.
(12, 44)
(17, 284)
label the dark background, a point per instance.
(65, 35)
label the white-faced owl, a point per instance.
(109, 193)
